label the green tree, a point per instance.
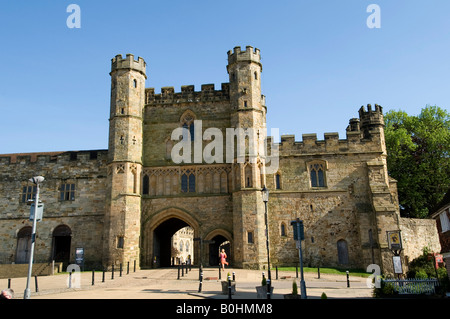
(419, 158)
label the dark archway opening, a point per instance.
(162, 244)
(62, 237)
(220, 242)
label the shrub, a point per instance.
(294, 288)
(323, 296)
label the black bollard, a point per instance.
(120, 270)
(229, 287)
(187, 268)
(36, 284)
(296, 271)
(9, 283)
(134, 266)
(178, 272)
(201, 282)
(268, 289)
(234, 276)
(182, 270)
(318, 272)
(128, 267)
(276, 271)
(103, 275)
(220, 271)
(112, 272)
(93, 276)
(348, 280)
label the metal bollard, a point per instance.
(103, 275)
(187, 269)
(268, 289)
(296, 271)
(112, 272)
(182, 270)
(70, 280)
(201, 282)
(134, 266)
(220, 271)
(178, 272)
(234, 276)
(120, 270)
(229, 287)
(128, 267)
(318, 272)
(276, 271)
(9, 283)
(93, 276)
(348, 280)
(36, 284)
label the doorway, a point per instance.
(162, 241)
(220, 242)
(62, 237)
(23, 245)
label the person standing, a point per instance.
(223, 259)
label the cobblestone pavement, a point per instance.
(163, 284)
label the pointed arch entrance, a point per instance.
(158, 232)
(221, 240)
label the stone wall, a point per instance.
(417, 234)
(83, 215)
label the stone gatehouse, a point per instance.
(125, 203)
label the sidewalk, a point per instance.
(163, 284)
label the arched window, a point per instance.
(187, 122)
(278, 181)
(134, 83)
(188, 181)
(317, 173)
(181, 246)
(283, 229)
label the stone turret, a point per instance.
(123, 207)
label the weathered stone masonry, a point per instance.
(130, 199)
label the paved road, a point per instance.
(163, 284)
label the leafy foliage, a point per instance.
(418, 158)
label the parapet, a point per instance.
(53, 157)
(187, 94)
(371, 116)
(128, 63)
(249, 55)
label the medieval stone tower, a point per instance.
(249, 113)
(123, 203)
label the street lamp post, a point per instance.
(265, 198)
(36, 180)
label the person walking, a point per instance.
(223, 259)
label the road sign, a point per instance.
(298, 228)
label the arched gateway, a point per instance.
(158, 230)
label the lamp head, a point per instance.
(265, 194)
(37, 179)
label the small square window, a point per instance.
(67, 192)
(120, 242)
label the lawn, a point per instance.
(333, 271)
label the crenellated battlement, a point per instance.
(250, 54)
(118, 62)
(187, 94)
(371, 116)
(53, 157)
(331, 144)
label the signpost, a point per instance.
(395, 245)
(79, 257)
(299, 235)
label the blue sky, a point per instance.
(320, 61)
